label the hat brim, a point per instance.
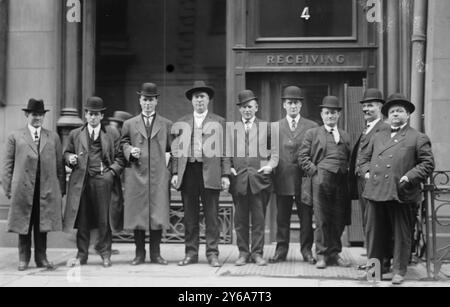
(148, 95)
(94, 110)
(408, 105)
(330, 107)
(36, 111)
(208, 90)
(292, 97)
(246, 100)
(372, 100)
(115, 119)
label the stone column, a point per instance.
(3, 40)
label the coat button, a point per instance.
(386, 176)
(376, 165)
(391, 156)
(388, 166)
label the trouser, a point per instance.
(40, 238)
(329, 212)
(284, 212)
(361, 182)
(94, 214)
(154, 246)
(250, 206)
(192, 191)
(387, 220)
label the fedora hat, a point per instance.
(372, 95)
(246, 96)
(120, 116)
(330, 102)
(148, 90)
(94, 104)
(292, 92)
(200, 86)
(397, 99)
(36, 106)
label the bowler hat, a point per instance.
(94, 104)
(330, 102)
(36, 106)
(246, 96)
(292, 92)
(372, 95)
(120, 116)
(200, 86)
(148, 90)
(397, 99)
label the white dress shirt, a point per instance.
(336, 135)
(199, 118)
(248, 125)
(289, 119)
(371, 125)
(33, 132)
(96, 131)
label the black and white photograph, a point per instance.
(224, 149)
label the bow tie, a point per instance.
(153, 115)
(395, 130)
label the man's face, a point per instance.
(93, 118)
(371, 111)
(398, 116)
(35, 120)
(200, 102)
(292, 107)
(330, 117)
(148, 104)
(248, 110)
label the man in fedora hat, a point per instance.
(251, 180)
(146, 139)
(200, 172)
(119, 117)
(93, 153)
(324, 156)
(371, 104)
(396, 162)
(288, 176)
(34, 180)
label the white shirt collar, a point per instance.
(151, 114)
(289, 119)
(96, 130)
(198, 115)
(401, 127)
(372, 124)
(252, 120)
(33, 130)
(328, 128)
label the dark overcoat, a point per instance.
(20, 165)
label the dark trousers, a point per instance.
(329, 212)
(94, 214)
(284, 212)
(387, 220)
(40, 238)
(361, 182)
(192, 191)
(155, 242)
(250, 206)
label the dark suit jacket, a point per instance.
(288, 174)
(358, 150)
(215, 162)
(263, 150)
(388, 159)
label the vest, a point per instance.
(336, 157)
(196, 147)
(95, 162)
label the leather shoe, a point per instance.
(106, 262)
(45, 264)
(321, 264)
(214, 262)
(23, 266)
(188, 260)
(398, 279)
(138, 260)
(241, 261)
(158, 260)
(259, 260)
(277, 258)
(310, 259)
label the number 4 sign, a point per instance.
(305, 13)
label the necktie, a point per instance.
(395, 130)
(36, 137)
(366, 129)
(335, 135)
(293, 125)
(247, 125)
(93, 136)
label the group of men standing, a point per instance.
(302, 163)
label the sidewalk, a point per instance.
(292, 273)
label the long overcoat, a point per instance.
(19, 178)
(147, 179)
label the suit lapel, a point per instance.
(139, 123)
(156, 126)
(300, 127)
(84, 138)
(105, 141)
(396, 140)
(44, 139)
(322, 136)
(27, 136)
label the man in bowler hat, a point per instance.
(34, 181)
(146, 139)
(93, 153)
(118, 119)
(254, 156)
(200, 172)
(288, 178)
(395, 164)
(324, 155)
